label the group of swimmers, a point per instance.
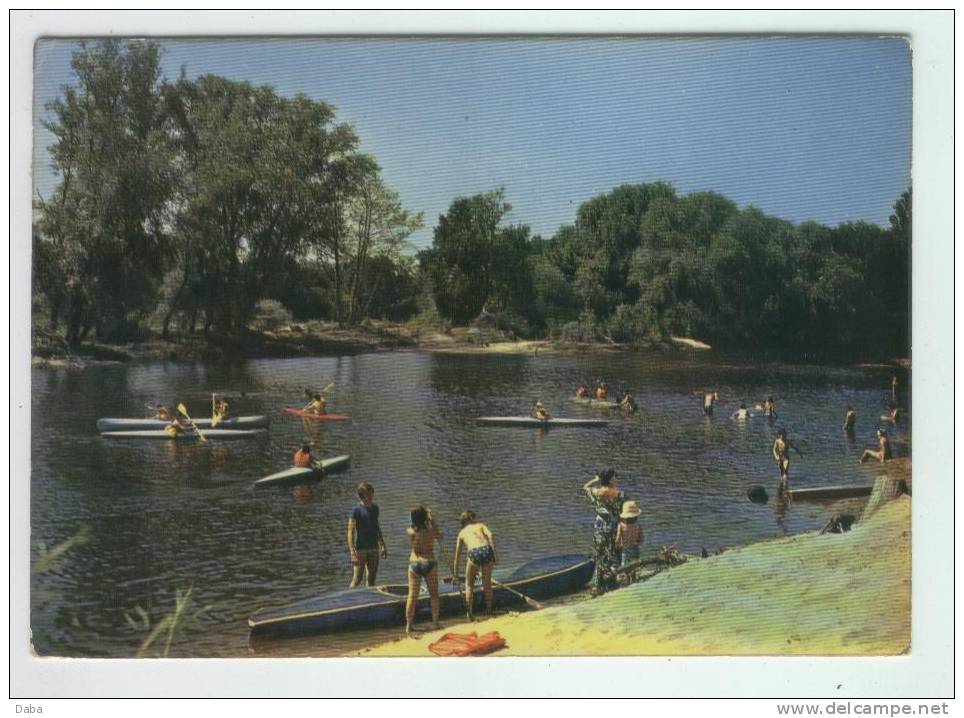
(475, 541)
(601, 393)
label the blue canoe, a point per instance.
(355, 608)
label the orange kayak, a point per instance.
(312, 415)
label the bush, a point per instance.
(634, 323)
(577, 332)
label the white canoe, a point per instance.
(297, 474)
(188, 435)
(237, 422)
(529, 421)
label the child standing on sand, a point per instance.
(629, 533)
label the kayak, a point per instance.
(595, 403)
(356, 608)
(544, 423)
(312, 415)
(237, 422)
(298, 474)
(186, 436)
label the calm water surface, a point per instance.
(162, 516)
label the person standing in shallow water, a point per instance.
(850, 420)
(781, 454)
(365, 541)
(607, 501)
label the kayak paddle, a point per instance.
(530, 601)
(181, 408)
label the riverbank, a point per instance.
(318, 338)
(809, 594)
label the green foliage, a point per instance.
(473, 261)
(103, 232)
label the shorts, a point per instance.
(481, 555)
(365, 556)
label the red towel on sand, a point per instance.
(467, 644)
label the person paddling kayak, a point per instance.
(538, 411)
(317, 405)
(582, 392)
(221, 412)
(303, 458)
(178, 426)
(161, 412)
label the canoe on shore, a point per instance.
(186, 436)
(312, 415)
(822, 493)
(541, 423)
(237, 422)
(301, 474)
(359, 608)
(595, 403)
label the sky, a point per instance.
(805, 128)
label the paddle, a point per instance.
(214, 413)
(530, 601)
(181, 408)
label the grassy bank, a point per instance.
(810, 594)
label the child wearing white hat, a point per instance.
(629, 533)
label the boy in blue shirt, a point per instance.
(365, 541)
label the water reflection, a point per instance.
(168, 515)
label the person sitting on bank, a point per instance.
(629, 534)
(422, 565)
(850, 420)
(582, 392)
(303, 458)
(538, 411)
(317, 405)
(741, 414)
(627, 403)
(479, 544)
(365, 540)
(883, 449)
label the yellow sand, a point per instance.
(832, 594)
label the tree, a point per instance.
(104, 229)
(266, 179)
(377, 229)
(471, 257)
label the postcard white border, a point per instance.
(927, 671)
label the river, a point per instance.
(163, 516)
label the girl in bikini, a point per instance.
(422, 565)
(479, 544)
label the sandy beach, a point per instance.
(809, 594)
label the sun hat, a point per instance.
(630, 510)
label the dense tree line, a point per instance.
(193, 200)
(642, 263)
(206, 196)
